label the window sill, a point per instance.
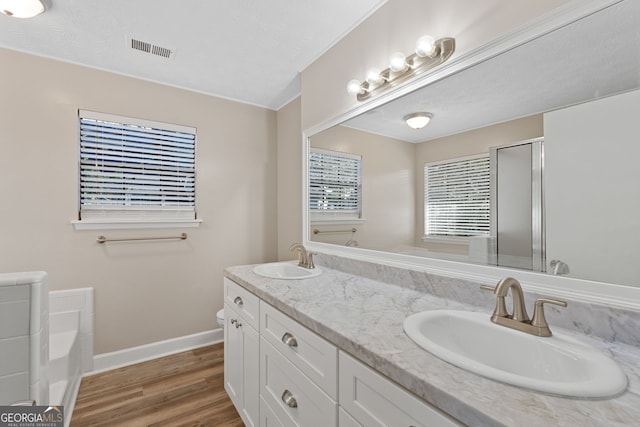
(129, 224)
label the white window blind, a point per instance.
(334, 184)
(457, 197)
(135, 169)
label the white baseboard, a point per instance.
(129, 356)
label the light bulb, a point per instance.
(354, 87)
(21, 8)
(425, 46)
(398, 63)
(373, 77)
(418, 120)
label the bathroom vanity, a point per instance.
(331, 350)
(286, 374)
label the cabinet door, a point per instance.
(346, 420)
(251, 375)
(233, 355)
(373, 400)
(241, 366)
(268, 418)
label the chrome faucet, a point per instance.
(518, 319)
(305, 259)
(558, 267)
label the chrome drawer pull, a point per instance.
(238, 301)
(289, 400)
(289, 340)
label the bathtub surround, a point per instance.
(362, 312)
(24, 337)
(79, 301)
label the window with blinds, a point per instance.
(334, 184)
(457, 197)
(135, 169)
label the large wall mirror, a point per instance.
(530, 161)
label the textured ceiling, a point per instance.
(592, 58)
(247, 50)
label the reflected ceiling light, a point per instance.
(429, 53)
(418, 120)
(21, 8)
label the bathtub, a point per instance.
(70, 345)
(65, 370)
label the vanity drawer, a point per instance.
(268, 418)
(293, 398)
(243, 302)
(313, 355)
(373, 400)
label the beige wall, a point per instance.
(388, 170)
(395, 27)
(477, 141)
(289, 178)
(144, 292)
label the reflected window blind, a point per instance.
(457, 197)
(334, 183)
(134, 168)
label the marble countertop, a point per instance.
(364, 318)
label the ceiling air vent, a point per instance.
(153, 49)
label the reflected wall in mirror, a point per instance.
(583, 108)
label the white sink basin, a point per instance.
(285, 270)
(557, 365)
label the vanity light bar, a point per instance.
(428, 54)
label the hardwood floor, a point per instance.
(185, 389)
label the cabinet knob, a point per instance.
(238, 301)
(289, 400)
(234, 321)
(289, 340)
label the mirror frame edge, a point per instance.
(588, 291)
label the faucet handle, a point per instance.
(487, 288)
(538, 320)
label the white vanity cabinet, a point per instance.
(279, 373)
(241, 348)
(372, 400)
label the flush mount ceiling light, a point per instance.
(21, 8)
(429, 53)
(418, 120)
